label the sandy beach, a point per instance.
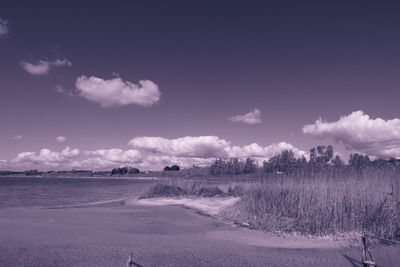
(156, 235)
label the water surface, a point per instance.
(53, 192)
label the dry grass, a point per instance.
(176, 187)
(322, 206)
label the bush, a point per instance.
(172, 168)
(165, 190)
(175, 168)
(211, 192)
(124, 170)
(133, 171)
(236, 191)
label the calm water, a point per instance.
(53, 192)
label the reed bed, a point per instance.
(321, 206)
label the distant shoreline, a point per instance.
(81, 177)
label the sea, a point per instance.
(67, 192)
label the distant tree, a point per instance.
(133, 171)
(233, 166)
(218, 167)
(394, 162)
(167, 168)
(338, 162)
(283, 162)
(249, 166)
(175, 168)
(31, 172)
(379, 163)
(124, 170)
(359, 161)
(119, 171)
(321, 155)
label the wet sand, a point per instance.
(105, 235)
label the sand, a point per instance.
(157, 235)
(210, 206)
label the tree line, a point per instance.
(322, 161)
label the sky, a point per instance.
(103, 84)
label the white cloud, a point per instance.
(59, 88)
(201, 150)
(256, 151)
(72, 158)
(116, 155)
(63, 90)
(151, 153)
(252, 117)
(376, 137)
(46, 157)
(189, 146)
(42, 67)
(3, 27)
(61, 139)
(17, 137)
(70, 153)
(116, 92)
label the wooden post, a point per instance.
(130, 262)
(364, 251)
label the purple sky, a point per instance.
(144, 83)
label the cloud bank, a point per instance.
(253, 117)
(151, 153)
(42, 67)
(3, 27)
(376, 137)
(116, 92)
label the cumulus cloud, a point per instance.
(376, 137)
(61, 139)
(46, 157)
(3, 27)
(189, 146)
(204, 149)
(263, 153)
(42, 67)
(72, 158)
(152, 153)
(17, 137)
(253, 117)
(116, 92)
(116, 155)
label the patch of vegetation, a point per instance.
(124, 171)
(210, 192)
(321, 206)
(180, 187)
(172, 168)
(164, 190)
